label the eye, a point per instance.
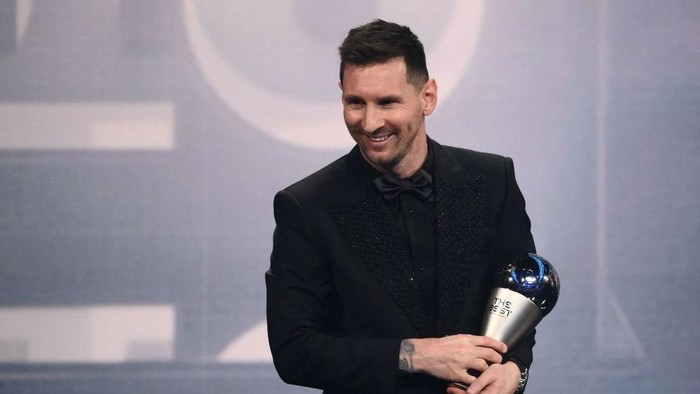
(388, 102)
(354, 103)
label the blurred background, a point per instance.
(142, 142)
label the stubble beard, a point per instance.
(390, 164)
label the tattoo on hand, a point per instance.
(406, 356)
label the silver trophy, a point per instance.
(526, 291)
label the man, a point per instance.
(383, 261)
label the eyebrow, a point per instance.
(391, 97)
(352, 97)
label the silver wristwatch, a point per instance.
(523, 381)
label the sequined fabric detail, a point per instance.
(370, 230)
(459, 224)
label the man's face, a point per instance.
(385, 115)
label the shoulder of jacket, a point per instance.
(322, 180)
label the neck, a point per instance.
(411, 163)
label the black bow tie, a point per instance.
(420, 183)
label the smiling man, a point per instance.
(382, 261)
(385, 114)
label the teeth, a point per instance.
(379, 138)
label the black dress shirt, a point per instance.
(415, 221)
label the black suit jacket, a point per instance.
(339, 292)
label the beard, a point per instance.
(388, 161)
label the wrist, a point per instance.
(520, 375)
(412, 355)
(407, 351)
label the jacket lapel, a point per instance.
(459, 223)
(366, 223)
(368, 226)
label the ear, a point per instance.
(429, 96)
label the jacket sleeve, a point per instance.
(515, 239)
(307, 346)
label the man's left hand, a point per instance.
(497, 379)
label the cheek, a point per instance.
(399, 121)
(351, 118)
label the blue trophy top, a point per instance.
(533, 277)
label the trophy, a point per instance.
(526, 291)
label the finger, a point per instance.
(477, 386)
(477, 341)
(481, 359)
(476, 365)
(469, 378)
(476, 357)
(492, 343)
(489, 355)
(481, 383)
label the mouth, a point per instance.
(379, 138)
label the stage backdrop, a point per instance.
(142, 142)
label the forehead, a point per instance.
(389, 76)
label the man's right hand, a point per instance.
(449, 358)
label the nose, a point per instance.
(372, 120)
